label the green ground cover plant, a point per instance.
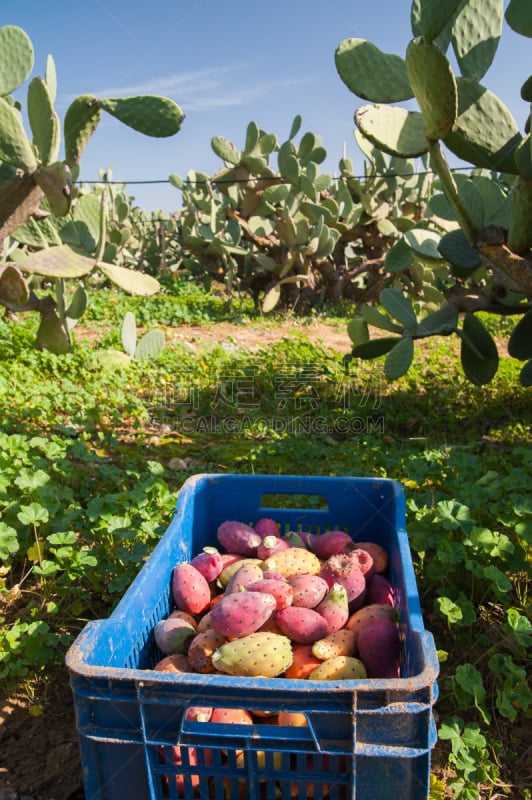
(92, 456)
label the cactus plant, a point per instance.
(38, 187)
(480, 232)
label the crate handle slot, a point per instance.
(304, 500)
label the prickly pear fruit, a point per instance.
(308, 590)
(281, 590)
(198, 713)
(190, 590)
(178, 614)
(303, 661)
(250, 572)
(302, 539)
(379, 555)
(379, 591)
(201, 649)
(331, 543)
(339, 643)
(364, 561)
(231, 716)
(345, 570)
(204, 623)
(294, 561)
(173, 635)
(271, 545)
(241, 613)
(379, 647)
(209, 562)
(302, 625)
(228, 571)
(237, 537)
(362, 615)
(293, 718)
(339, 668)
(334, 608)
(178, 662)
(260, 654)
(266, 527)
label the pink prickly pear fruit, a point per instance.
(281, 590)
(270, 545)
(379, 591)
(331, 543)
(379, 648)
(198, 713)
(177, 614)
(178, 662)
(271, 575)
(201, 649)
(308, 590)
(249, 572)
(266, 527)
(362, 615)
(209, 562)
(301, 539)
(237, 537)
(364, 561)
(261, 654)
(172, 635)
(190, 590)
(343, 569)
(334, 607)
(241, 613)
(303, 625)
(379, 555)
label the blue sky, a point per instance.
(225, 63)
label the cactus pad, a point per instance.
(476, 33)
(13, 286)
(371, 74)
(56, 182)
(486, 133)
(16, 58)
(58, 262)
(393, 129)
(519, 16)
(478, 353)
(15, 148)
(44, 121)
(80, 122)
(130, 280)
(429, 18)
(148, 114)
(434, 85)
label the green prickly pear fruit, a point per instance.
(80, 122)
(15, 147)
(259, 654)
(44, 121)
(148, 114)
(16, 58)
(339, 668)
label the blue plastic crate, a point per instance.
(365, 739)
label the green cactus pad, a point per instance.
(478, 353)
(486, 133)
(375, 347)
(52, 335)
(16, 58)
(44, 121)
(442, 322)
(78, 304)
(463, 258)
(519, 16)
(128, 333)
(80, 122)
(526, 90)
(13, 286)
(50, 76)
(399, 307)
(15, 147)
(371, 74)
(393, 129)
(520, 232)
(520, 342)
(130, 280)
(225, 150)
(58, 262)
(56, 182)
(148, 114)
(476, 33)
(434, 85)
(399, 358)
(150, 345)
(429, 18)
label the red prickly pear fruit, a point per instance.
(303, 661)
(237, 537)
(266, 527)
(343, 569)
(362, 615)
(379, 555)
(271, 545)
(178, 662)
(173, 635)
(201, 649)
(364, 561)
(271, 575)
(249, 572)
(379, 591)
(308, 590)
(232, 716)
(334, 607)
(190, 590)
(209, 562)
(331, 543)
(301, 539)
(281, 590)
(198, 713)
(241, 613)
(230, 558)
(379, 648)
(302, 625)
